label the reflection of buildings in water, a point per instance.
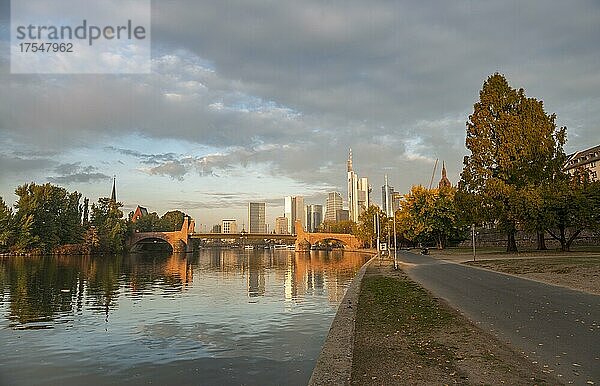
(256, 275)
(306, 274)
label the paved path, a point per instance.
(555, 326)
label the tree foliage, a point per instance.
(47, 216)
(111, 229)
(347, 226)
(515, 148)
(429, 216)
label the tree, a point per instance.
(572, 206)
(347, 226)
(148, 223)
(47, 216)
(111, 228)
(172, 221)
(515, 146)
(366, 225)
(429, 216)
(6, 225)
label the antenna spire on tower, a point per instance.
(349, 164)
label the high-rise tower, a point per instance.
(386, 197)
(358, 192)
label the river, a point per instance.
(217, 317)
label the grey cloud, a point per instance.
(173, 169)
(79, 178)
(76, 173)
(393, 80)
(12, 164)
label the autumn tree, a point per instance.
(365, 230)
(347, 226)
(429, 216)
(515, 146)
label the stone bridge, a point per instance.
(179, 240)
(304, 240)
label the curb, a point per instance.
(335, 361)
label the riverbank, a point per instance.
(405, 336)
(400, 334)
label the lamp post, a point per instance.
(473, 238)
(395, 244)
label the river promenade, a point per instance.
(395, 327)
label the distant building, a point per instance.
(387, 192)
(333, 204)
(281, 225)
(139, 212)
(358, 192)
(229, 226)
(444, 182)
(342, 215)
(256, 217)
(314, 217)
(587, 160)
(216, 228)
(294, 210)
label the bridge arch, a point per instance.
(304, 240)
(178, 240)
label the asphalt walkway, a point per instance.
(557, 327)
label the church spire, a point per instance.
(444, 182)
(113, 194)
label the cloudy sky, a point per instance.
(255, 100)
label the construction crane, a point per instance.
(433, 174)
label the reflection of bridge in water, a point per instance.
(181, 241)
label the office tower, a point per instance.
(387, 192)
(229, 226)
(294, 210)
(256, 217)
(334, 203)
(342, 215)
(281, 225)
(358, 192)
(314, 217)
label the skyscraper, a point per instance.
(334, 203)
(281, 225)
(387, 192)
(256, 217)
(229, 226)
(358, 192)
(294, 210)
(314, 217)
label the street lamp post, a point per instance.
(473, 238)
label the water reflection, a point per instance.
(126, 312)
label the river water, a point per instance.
(217, 317)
